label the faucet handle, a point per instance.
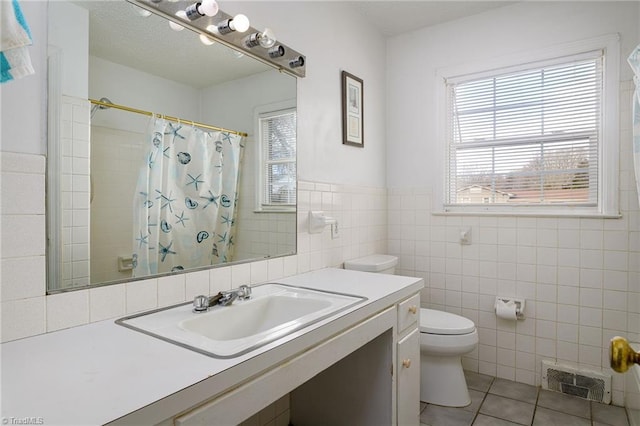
(200, 304)
(244, 292)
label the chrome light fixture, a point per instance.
(277, 51)
(200, 9)
(239, 23)
(215, 26)
(265, 39)
(297, 62)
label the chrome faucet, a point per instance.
(224, 298)
(244, 292)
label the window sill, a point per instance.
(283, 210)
(577, 214)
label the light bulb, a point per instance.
(239, 23)
(212, 29)
(177, 27)
(140, 11)
(267, 38)
(206, 40)
(208, 7)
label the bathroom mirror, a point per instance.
(106, 222)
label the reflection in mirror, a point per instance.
(133, 194)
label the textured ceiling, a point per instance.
(393, 17)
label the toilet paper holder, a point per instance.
(518, 302)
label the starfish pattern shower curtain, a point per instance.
(634, 61)
(185, 198)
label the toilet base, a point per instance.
(442, 381)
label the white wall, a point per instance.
(133, 88)
(23, 102)
(333, 39)
(68, 36)
(414, 58)
(581, 277)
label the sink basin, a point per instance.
(274, 311)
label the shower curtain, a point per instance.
(634, 61)
(185, 198)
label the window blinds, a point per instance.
(278, 133)
(527, 137)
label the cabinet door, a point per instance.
(409, 379)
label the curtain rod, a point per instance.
(166, 117)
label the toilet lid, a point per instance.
(440, 322)
(373, 263)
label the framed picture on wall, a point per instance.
(352, 110)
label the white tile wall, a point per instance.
(22, 249)
(27, 311)
(579, 276)
(76, 190)
(113, 191)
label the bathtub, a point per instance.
(632, 391)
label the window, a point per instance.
(277, 180)
(532, 138)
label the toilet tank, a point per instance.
(380, 263)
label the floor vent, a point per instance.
(591, 385)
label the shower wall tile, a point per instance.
(76, 190)
(109, 197)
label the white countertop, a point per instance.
(100, 372)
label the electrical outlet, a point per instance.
(334, 231)
(465, 236)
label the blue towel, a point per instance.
(15, 35)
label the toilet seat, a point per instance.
(440, 322)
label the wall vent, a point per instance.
(591, 385)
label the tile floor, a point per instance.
(498, 402)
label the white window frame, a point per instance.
(259, 112)
(608, 172)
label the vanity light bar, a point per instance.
(279, 56)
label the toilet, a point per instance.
(444, 338)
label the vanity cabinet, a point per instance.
(359, 367)
(408, 361)
(342, 381)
